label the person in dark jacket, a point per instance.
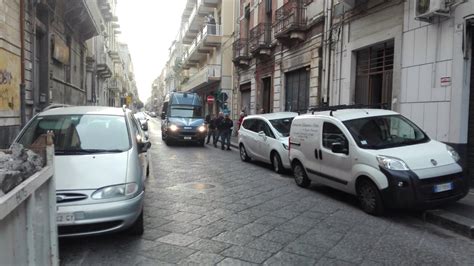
(226, 131)
(211, 129)
(218, 124)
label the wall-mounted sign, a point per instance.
(210, 99)
(60, 50)
(445, 81)
(9, 81)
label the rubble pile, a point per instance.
(17, 165)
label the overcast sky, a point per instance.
(149, 27)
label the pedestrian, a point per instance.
(241, 119)
(211, 129)
(219, 125)
(226, 127)
(211, 24)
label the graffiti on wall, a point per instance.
(9, 81)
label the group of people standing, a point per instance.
(219, 127)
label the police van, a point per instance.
(378, 155)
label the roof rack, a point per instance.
(55, 105)
(346, 106)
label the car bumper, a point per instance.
(407, 190)
(101, 218)
(285, 159)
(187, 136)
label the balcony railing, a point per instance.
(241, 52)
(115, 84)
(208, 37)
(208, 74)
(290, 17)
(105, 66)
(260, 37)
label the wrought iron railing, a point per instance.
(260, 37)
(291, 16)
(240, 49)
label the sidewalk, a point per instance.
(458, 217)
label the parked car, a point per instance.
(265, 138)
(143, 119)
(378, 155)
(100, 168)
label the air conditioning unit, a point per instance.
(426, 10)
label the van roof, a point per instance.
(271, 116)
(82, 110)
(350, 114)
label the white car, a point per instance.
(100, 168)
(265, 138)
(378, 155)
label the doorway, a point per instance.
(245, 98)
(470, 141)
(297, 90)
(267, 95)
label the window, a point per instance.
(248, 123)
(332, 134)
(282, 125)
(266, 128)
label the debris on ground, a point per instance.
(16, 165)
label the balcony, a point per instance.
(84, 16)
(196, 19)
(241, 56)
(105, 66)
(106, 10)
(260, 40)
(208, 75)
(115, 56)
(209, 37)
(114, 84)
(290, 21)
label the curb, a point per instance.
(456, 223)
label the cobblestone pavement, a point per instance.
(205, 206)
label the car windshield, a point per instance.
(80, 134)
(185, 111)
(382, 132)
(282, 125)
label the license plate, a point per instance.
(188, 128)
(187, 138)
(443, 187)
(65, 218)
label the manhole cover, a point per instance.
(200, 186)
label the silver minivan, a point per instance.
(100, 168)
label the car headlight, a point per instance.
(202, 128)
(115, 191)
(285, 146)
(173, 127)
(453, 153)
(392, 163)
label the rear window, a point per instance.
(76, 134)
(282, 125)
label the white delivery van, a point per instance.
(378, 155)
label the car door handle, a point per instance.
(316, 154)
(320, 155)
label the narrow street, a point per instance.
(205, 206)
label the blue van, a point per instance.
(182, 118)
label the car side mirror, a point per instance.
(143, 144)
(144, 127)
(262, 134)
(338, 147)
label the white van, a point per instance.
(378, 155)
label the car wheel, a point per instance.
(299, 173)
(168, 142)
(369, 197)
(137, 227)
(243, 154)
(276, 163)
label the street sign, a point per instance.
(210, 99)
(129, 100)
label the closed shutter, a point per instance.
(470, 141)
(297, 91)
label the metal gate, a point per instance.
(297, 91)
(470, 140)
(375, 74)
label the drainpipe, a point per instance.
(327, 49)
(22, 64)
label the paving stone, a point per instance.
(239, 218)
(233, 238)
(206, 232)
(294, 228)
(210, 246)
(144, 261)
(183, 217)
(285, 258)
(178, 239)
(353, 247)
(202, 258)
(206, 220)
(336, 262)
(234, 262)
(265, 245)
(305, 250)
(168, 253)
(153, 234)
(178, 227)
(254, 229)
(279, 236)
(246, 254)
(226, 225)
(271, 220)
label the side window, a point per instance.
(248, 124)
(134, 126)
(332, 134)
(255, 127)
(268, 131)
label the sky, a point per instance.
(148, 27)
